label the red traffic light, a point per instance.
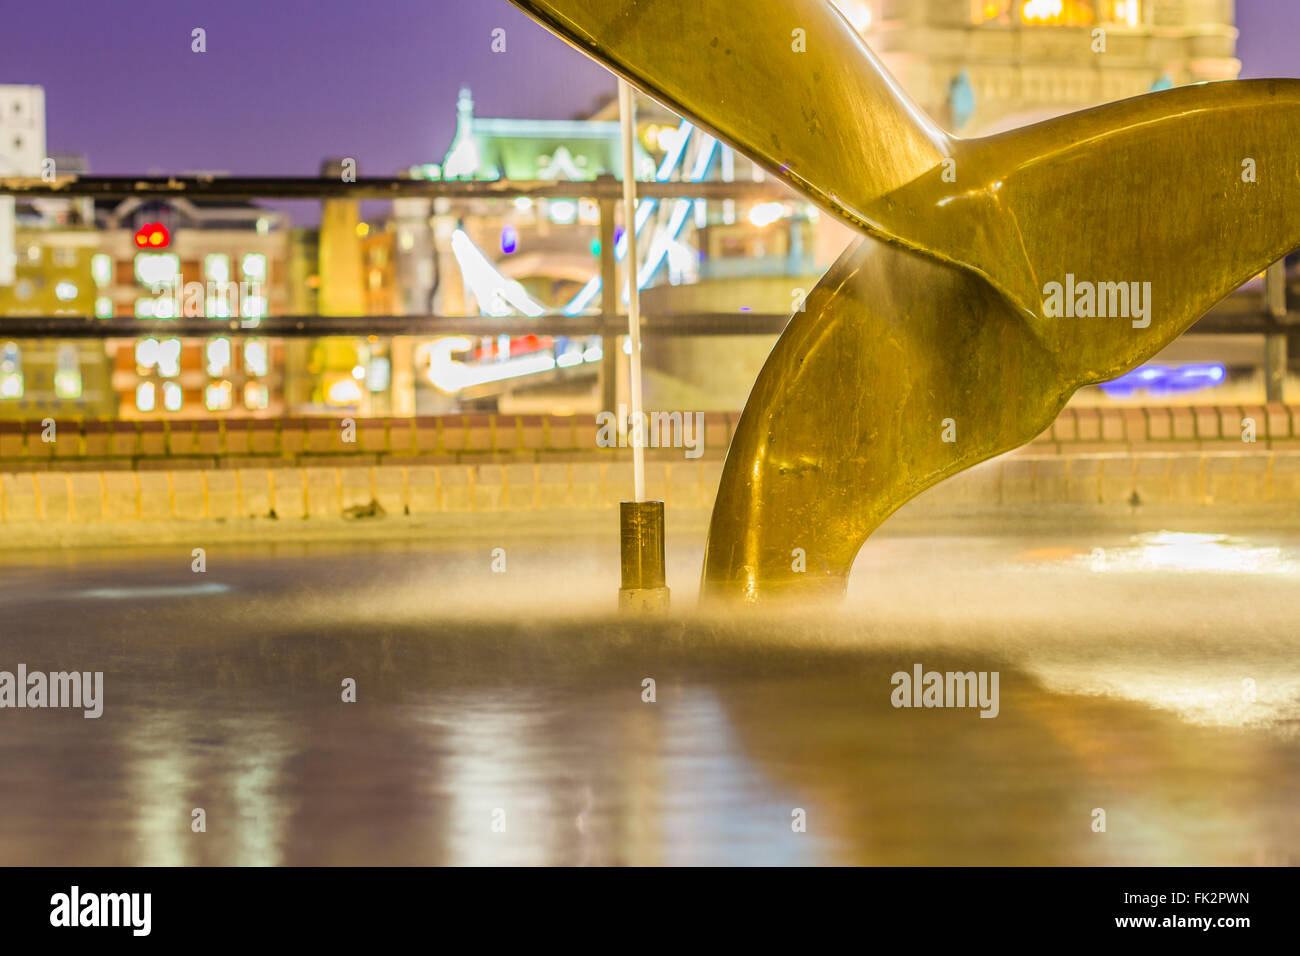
(153, 235)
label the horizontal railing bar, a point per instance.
(668, 324)
(298, 326)
(296, 187)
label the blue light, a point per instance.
(1196, 376)
(509, 239)
(1161, 379)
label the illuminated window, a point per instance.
(67, 372)
(218, 355)
(218, 396)
(103, 307)
(253, 307)
(101, 269)
(255, 357)
(379, 374)
(343, 391)
(11, 371)
(218, 302)
(216, 268)
(256, 396)
(766, 213)
(165, 356)
(253, 267)
(155, 307)
(1057, 12)
(146, 355)
(1054, 12)
(1125, 11)
(154, 268)
(144, 396)
(562, 211)
(169, 360)
(65, 291)
(171, 396)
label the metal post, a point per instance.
(641, 533)
(1275, 357)
(608, 308)
(1275, 361)
(1275, 288)
(627, 120)
(641, 530)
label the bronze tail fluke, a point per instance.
(789, 83)
(995, 276)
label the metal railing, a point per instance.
(1245, 312)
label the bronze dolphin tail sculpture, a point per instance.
(995, 276)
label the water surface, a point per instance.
(516, 698)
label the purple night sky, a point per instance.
(285, 83)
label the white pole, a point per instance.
(627, 119)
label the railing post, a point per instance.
(608, 306)
(1275, 357)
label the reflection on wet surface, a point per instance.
(1153, 675)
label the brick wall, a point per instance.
(220, 444)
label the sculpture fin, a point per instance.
(1192, 190)
(894, 354)
(829, 119)
(956, 315)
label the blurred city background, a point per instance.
(491, 282)
(209, 262)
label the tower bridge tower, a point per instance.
(984, 66)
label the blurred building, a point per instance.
(47, 247)
(526, 256)
(347, 267)
(978, 66)
(53, 276)
(22, 153)
(552, 241)
(503, 256)
(207, 260)
(983, 66)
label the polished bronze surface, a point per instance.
(641, 535)
(943, 336)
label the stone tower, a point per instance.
(983, 66)
(342, 274)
